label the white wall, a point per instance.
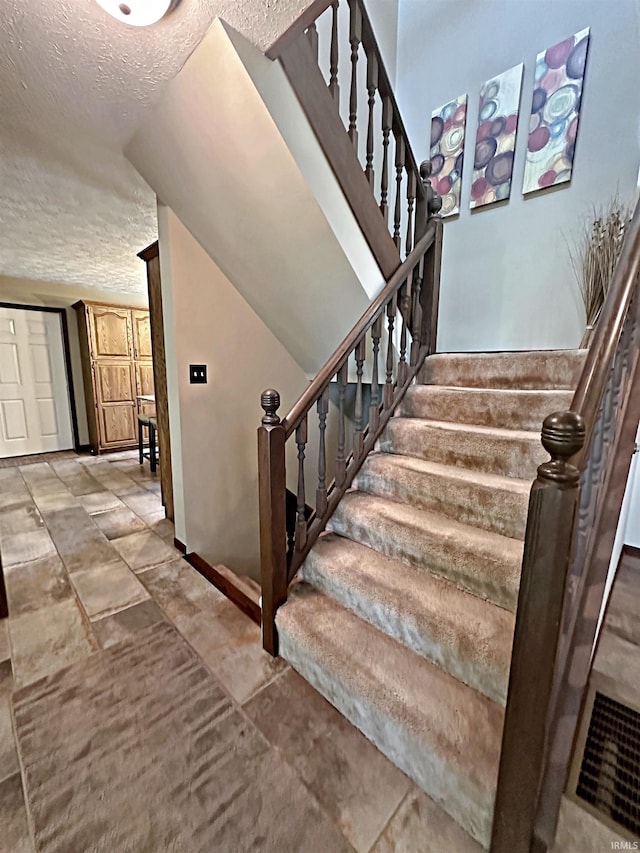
(506, 278)
(213, 426)
(55, 295)
(384, 20)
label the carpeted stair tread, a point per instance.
(482, 562)
(481, 499)
(442, 733)
(539, 369)
(468, 637)
(509, 453)
(505, 408)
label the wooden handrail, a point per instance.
(289, 525)
(393, 206)
(331, 367)
(297, 28)
(574, 506)
(591, 384)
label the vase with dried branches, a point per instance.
(594, 257)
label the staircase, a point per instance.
(404, 615)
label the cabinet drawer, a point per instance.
(118, 424)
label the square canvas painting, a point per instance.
(496, 137)
(555, 113)
(447, 144)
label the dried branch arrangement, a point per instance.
(595, 256)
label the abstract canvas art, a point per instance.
(447, 144)
(555, 113)
(496, 137)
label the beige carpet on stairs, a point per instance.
(139, 749)
(404, 615)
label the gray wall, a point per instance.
(507, 281)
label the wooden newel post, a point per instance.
(430, 294)
(429, 202)
(273, 534)
(552, 508)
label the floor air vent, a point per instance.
(609, 777)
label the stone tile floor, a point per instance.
(88, 560)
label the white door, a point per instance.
(35, 416)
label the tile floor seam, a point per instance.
(409, 793)
(22, 774)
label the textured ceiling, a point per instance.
(73, 85)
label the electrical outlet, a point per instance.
(198, 374)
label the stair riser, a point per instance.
(500, 512)
(415, 756)
(527, 371)
(442, 642)
(508, 457)
(483, 574)
(508, 410)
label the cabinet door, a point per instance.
(114, 381)
(141, 334)
(144, 378)
(110, 331)
(118, 424)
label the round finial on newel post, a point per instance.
(563, 435)
(425, 169)
(434, 202)
(270, 402)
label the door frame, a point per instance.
(67, 359)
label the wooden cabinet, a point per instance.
(115, 343)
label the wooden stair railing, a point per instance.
(391, 228)
(574, 509)
(390, 341)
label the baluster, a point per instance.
(398, 208)
(301, 520)
(411, 197)
(387, 117)
(358, 437)
(404, 311)
(374, 408)
(341, 467)
(392, 307)
(355, 37)
(416, 311)
(312, 37)
(321, 491)
(372, 85)
(334, 86)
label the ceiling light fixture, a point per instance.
(137, 13)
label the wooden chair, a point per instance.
(152, 425)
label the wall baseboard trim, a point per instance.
(228, 584)
(180, 546)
